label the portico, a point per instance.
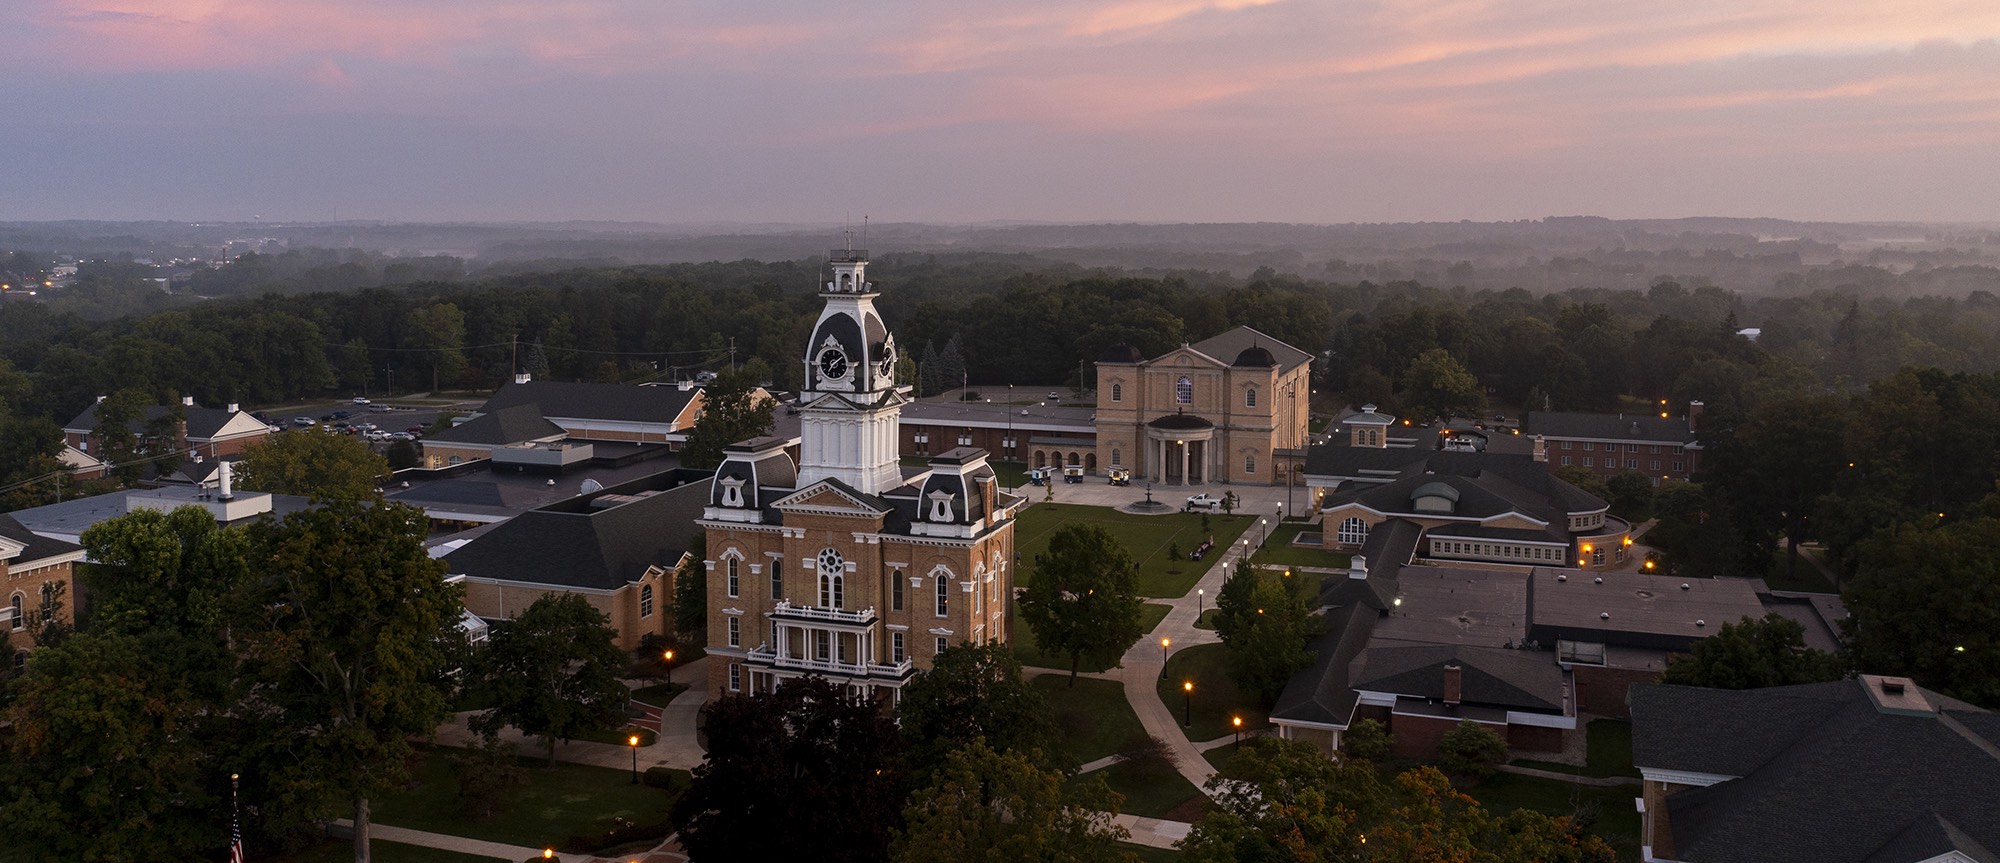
(1179, 447)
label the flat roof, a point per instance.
(68, 519)
(1643, 610)
(982, 414)
(495, 495)
(1455, 605)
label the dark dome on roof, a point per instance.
(1255, 357)
(1121, 354)
(1181, 421)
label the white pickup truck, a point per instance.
(1203, 501)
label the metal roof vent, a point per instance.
(1700, 623)
(1604, 615)
(1684, 586)
(1598, 580)
(1561, 577)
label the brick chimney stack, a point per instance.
(1694, 413)
(1454, 678)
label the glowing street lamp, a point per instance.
(1237, 723)
(1164, 644)
(1201, 596)
(633, 741)
(668, 658)
(1187, 703)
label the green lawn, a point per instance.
(1609, 750)
(618, 736)
(556, 803)
(1094, 717)
(1146, 537)
(1278, 549)
(1608, 811)
(1215, 699)
(659, 694)
(1155, 791)
(341, 851)
(1030, 653)
(1206, 620)
(1149, 854)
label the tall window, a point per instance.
(735, 631)
(896, 650)
(942, 644)
(735, 579)
(1117, 458)
(1250, 397)
(18, 624)
(735, 677)
(943, 596)
(822, 644)
(1249, 462)
(1353, 531)
(777, 577)
(895, 591)
(645, 600)
(832, 575)
(1184, 390)
(1117, 392)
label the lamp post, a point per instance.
(1164, 644)
(634, 742)
(668, 657)
(1187, 703)
(1201, 596)
(1236, 725)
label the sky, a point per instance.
(1317, 111)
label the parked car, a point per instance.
(401, 436)
(360, 401)
(374, 436)
(1203, 501)
(415, 429)
(302, 422)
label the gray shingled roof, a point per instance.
(1637, 428)
(1513, 679)
(615, 402)
(1319, 693)
(572, 544)
(202, 423)
(37, 547)
(508, 425)
(1488, 484)
(1825, 775)
(1226, 346)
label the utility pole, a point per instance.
(732, 353)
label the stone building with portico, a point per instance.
(1231, 408)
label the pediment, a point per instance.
(1193, 359)
(826, 497)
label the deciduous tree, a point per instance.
(314, 463)
(971, 693)
(806, 771)
(554, 671)
(1754, 653)
(734, 408)
(1926, 604)
(352, 640)
(1082, 599)
(1000, 807)
(1263, 622)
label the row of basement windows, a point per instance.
(1612, 447)
(1492, 550)
(1632, 463)
(832, 587)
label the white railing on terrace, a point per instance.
(765, 653)
(857, 618)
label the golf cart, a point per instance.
(1073, 474)
(1040, 475)
(1121, 476)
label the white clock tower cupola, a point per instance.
(849, 405)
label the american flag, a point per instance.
(235, 825)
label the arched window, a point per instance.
(1117, 392)
(645, 600)
(777, 578)
(1250, 462)
(1353, 531)
(735, 577)
(1250, 397)
(1116, 459)
(832, 579)
(18, 623)
(1184, 390)
(942, 577)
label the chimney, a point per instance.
(187, 401)
(1357, 567)
(1454, 678)
(224, 490)
(1541, 450)
(232, 407)
(1694, 412)
(522, 377)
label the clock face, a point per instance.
(888, 364)
(832, 364)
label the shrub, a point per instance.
(666, 779)
(1471, 750)
(1367, 740)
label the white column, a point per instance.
(1186, 450)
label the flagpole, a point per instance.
(235, 825)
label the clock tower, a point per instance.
(849, 406)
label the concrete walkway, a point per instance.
(675, 745)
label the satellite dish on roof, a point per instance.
(590, 486)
